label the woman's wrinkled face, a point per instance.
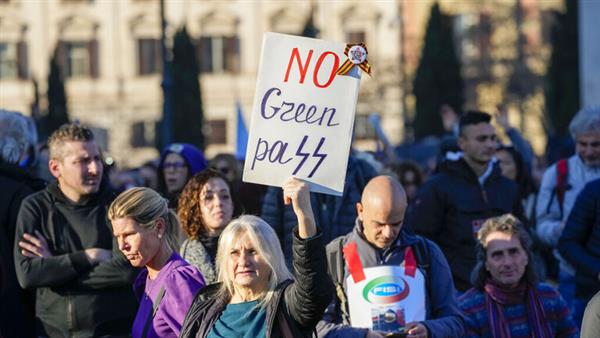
(507, 164)
(138, 244)
(246, 267)
(175, 171)
(216, 205)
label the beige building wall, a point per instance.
(119, 97)
(393, 30)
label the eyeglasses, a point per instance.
(223, 170)
(174, 165)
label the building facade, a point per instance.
(110, 56)
(109, 52)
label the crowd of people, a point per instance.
(483, 241)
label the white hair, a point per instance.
(14, 132)
(265, 242)
(585, 121)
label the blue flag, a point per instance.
(242, 135)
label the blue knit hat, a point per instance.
(192, 156)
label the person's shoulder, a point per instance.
(547, 291)
(592, 188)
(206, 294)
(434, 249)
(335, 244)
(38, 198)
(472, 300)
(184, 270)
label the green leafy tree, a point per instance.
(438, 80)
(562, 78)
(187, 101)
(57, 113)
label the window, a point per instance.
(218, 54)
(149, 56)
(78, 58)
(215, 131)
(363, 130)
(356, 37)
(13, 60)
(142, 134)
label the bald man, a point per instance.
(388, 280)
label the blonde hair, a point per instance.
(265, 242)
(66, 133)
(145, 206)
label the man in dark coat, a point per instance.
(16, 305)
(64, 248)
(579, 244)
(469, 188)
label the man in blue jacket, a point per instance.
(579, 244)
(468, 189)
(388, 280)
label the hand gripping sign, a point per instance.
(303, 114)
(384, 298)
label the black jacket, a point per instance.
(579, 243)
(16, 306)
(450, 208)
(74, 297)
(300, 303)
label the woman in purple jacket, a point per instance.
(146, 231)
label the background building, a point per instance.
(110, 54)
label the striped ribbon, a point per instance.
(347, 65)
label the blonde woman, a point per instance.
(257, 295)
(147, 233)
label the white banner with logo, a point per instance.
(386, 299)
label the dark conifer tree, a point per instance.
(57, 113)
(187, 100)
(310, 30)
(562, 78)
(438, 80)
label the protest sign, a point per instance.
(303, 114)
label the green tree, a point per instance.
(562, 78)
(438, 80)
(57, 113)
(187, 101)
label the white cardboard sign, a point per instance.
(303, 114)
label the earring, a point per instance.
(159, 236)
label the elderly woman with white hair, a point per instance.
(257, 295)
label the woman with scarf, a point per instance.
(506, 299)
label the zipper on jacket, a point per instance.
(70, 318)
(484, 195)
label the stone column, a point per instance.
(589, 52)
